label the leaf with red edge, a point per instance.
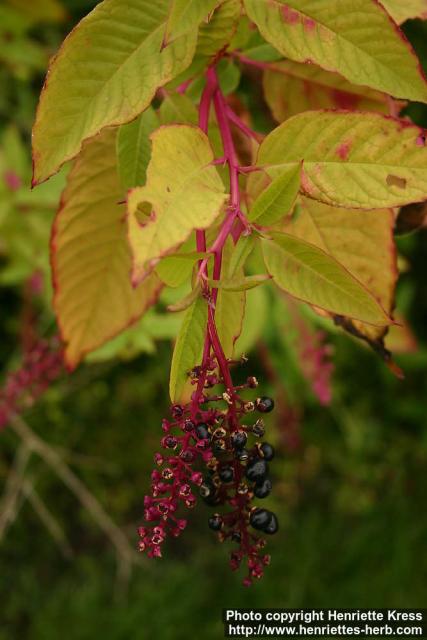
(362, 241)
(401, 10)
(291, 87)
(91, 261)
(356, 38)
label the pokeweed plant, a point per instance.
(172, 186)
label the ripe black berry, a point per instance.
(260, 518)
(202, 431)
(263, 489)
(267, 451)
(215, 522)
(227, 474)
(265, 404)
(207, 488)
(256, 470)
(238, 439)
(273, 526)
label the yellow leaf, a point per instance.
(183, 192)
(291, 87)
(349, 159)
(362, 241)
(91, 262)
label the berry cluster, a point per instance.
(41, 364)
(211, 451)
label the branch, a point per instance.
(126, 555)
(10, 501)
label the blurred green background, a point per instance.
(350, 479)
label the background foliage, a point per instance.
(350, 477)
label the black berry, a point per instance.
(267, 451)
(215, 522)
(238, 439)
(207, 488)
(263, 489)
(265, 404)
(260, 518)
(202, 431)
(227, 474)
(273, 526)
(256, 470)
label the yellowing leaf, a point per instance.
(291, 87)
(185, 16)
(355, 38)
(215, 36)
(277, 200)
(351, 159)
(362, 241)
(183, 192)
(91, 263)
(401, 10)
(134, 148)
(309, 274)
(188, 350)
(106, 73)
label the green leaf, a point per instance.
(106, 73)
(278, 199)
(240, 284)
(351, 159)
(186, 301)
(177, 108)
(355, 38)
(406, 9)
(230, 305)
(134, 148)
(213, 38)
(176, 269)
(241, 253)
(185, 16)
(291, 87)
(309, 274)
(93, 298)
(183, 192)
(188, 349)
(362, 241)
(257, 314)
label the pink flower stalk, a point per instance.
(316, 364)
(41, 365)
